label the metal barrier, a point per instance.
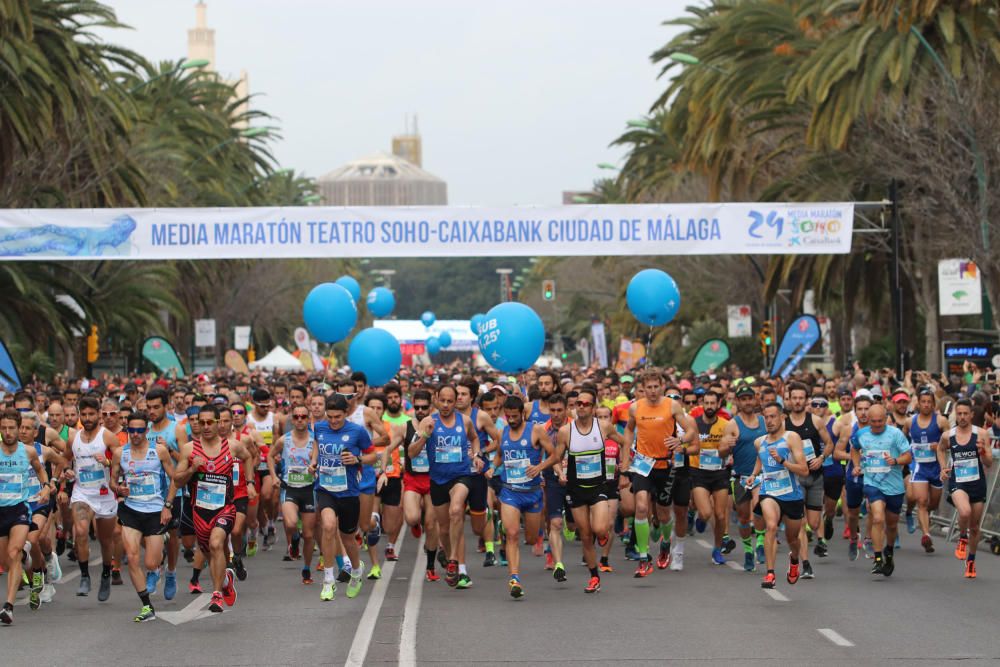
(946, 518)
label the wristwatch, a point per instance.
(169, 505)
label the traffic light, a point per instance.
(549, 290)
(765, 337)
(93, 345)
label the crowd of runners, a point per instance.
(158, 472)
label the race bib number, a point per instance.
(445, 452)
(333, 478)
(91, 474)
(298, 476)
(875, 463)
(641, 464)
(966, 470)
(710, 460)
(142, 488)
(262, 466)
(34, 489)
(809, 450)
(211, 495)
(420, 462)
(922, 453)
(516, 471)
(679, 459)
(588, 466)
(777, 483)
(610, 465)
(11, 486)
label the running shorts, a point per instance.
(392, 493)
(893, 503)
(585, 496)
(441, 493)
(206, 522)
(147, 523)
(812, 488)
(14, 515)
(793, 510)
(712, 480)
(527, 502)
(419, 483)
(347, 509)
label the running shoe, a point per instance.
(605, 566)
(271, 537)
(807, 570)
(451, 573)
(869, 548)
(631, 553)
(60, 542)
(116, 577)
(375, 572)
(847, 532)
(287, 558)
(700, 525)
(568, 533)
(215, 606)
(35, 596)
(229, 588)
(71, 550)
(852, 550)
(911, 524)
(152, 580)
(464, 581)
(663, 558)
(481, 546)
(761, 556)
(644, 570)
(431, 575)
(677, 559)
(927, 543)
(48, 592)
(442, 558)
(888, 566)
(104, 590)
(345, 574)
(769, 580)
(320, 566)
(593, 586)
(502, 558)
(390, 554)
(251, 549)
(550, 562)
(828, 527)
(293, 548)
(194, 588)
(55, 570)
(821, 550)
(962, 550)
(717, 557)
(970, 569)
(306, 576)
(145, 614)
(490, 559)
(328, 592)
(748, 564)
(6, 616)
(516, 591)
(728, 544)
(896, 543)
(877, 567)
(354, 586)
(559, 573)
(170, 586)
(793, 573)
(539, 547)
(239, 568)
(416, 531)
(602, 540)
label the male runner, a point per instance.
(554, 483)
(489, 437)
(779, 461)
(39, 530)
(390, 489)
(925, 430)
(970, 450)
(161, 430)
(143, 514)
(711, 479)
(844, 429)
(264, 422)
(418, 511)
(746, 427)
(298, 501)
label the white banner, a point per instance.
(739, 320)
(426, 231)
(600, 353)
(960, 290)
(204, 333)
(241, 338)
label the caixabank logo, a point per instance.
(804, 228)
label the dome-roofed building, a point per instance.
(382, 180)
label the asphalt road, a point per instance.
(927, 612)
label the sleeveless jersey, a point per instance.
(537, 416)
(368, 478)
(549, 474)
(587, 467)
(92, 477)
(448, 450)
(484, 439)
(144, 479)
(266, 429)
(831, 466)
(296, 460)
(395, 469)
(653, 424)
(14, 476)
(611, 456)
(778, 482)
(518, 454)
(35, 484)
(169, 436)
(966, 468)
(745, 451)
(921, 439)
(710, 435)
(212, 485)
(812, 443)
(419, 464)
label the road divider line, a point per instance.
(835, 637)
(366, 627)
(411, 613)
(703, 544)
(776, 595)
(734, 565)
(192, 612)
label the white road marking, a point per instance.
(703, 544)
(192, 612)
(66, 578)
(734, 565)
(411, 613)
(366, 627)
(776, 595)
(835, 637)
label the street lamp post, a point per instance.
(505, 294)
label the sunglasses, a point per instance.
(691, 402)
(584, 404)
(238, 412)
(109, 414)
(24, 409)
(133, 431)
(300, 416)
(207, 422)
(347, 396)
(421, 407)
(819, 405)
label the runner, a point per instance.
(845, 429)
(711, 478)
(298, 501)
(489, 438)
(612, 453)
(15, 517)
(143, 514)
(652, 423)
(209, 461)
(554, 483)
(780, 461)
(418, 511)
(390, 486)
(243, 476)
(833, 477)
(38, 535)
(880, 452)
(746, 427)
(341, 448)
(262, 419)
(926, 430)
(970, 452)
(452, 454)
(519, 460)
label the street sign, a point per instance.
(204, 333)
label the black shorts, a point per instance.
(790, 509)
(441, 493)
(147, 523)
(242, 505)
(585, 496)
(611, 490)
(392, 493)
(712, 480)
(660, 484)
(347, 509)
(42, 511)
(496, 484)
(737, 488)
(833, 487)
(303, 497)
(975, 490)
(181, 517)
(14, 515)
(478, 494)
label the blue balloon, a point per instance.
(475, 321)
(329, 312)
(433, 345)
(511, 337)
(376, 353)
(381, 302)
(653, 297)
(352, 286)
(444, 338)
(428, 318)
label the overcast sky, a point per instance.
(517, 100)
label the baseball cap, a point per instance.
(863, 393)
(745, 390)
(843, 390)
(684, 384)
(627, 378)
(261, 394)
(900, 396)
(877, 391)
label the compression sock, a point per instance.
(760, 536)
(195, 575)
(489, 547)
(430, 554)
(144, 596)
(642, 537)
(84, 568)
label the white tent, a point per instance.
(278, 359)
(410, 332)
